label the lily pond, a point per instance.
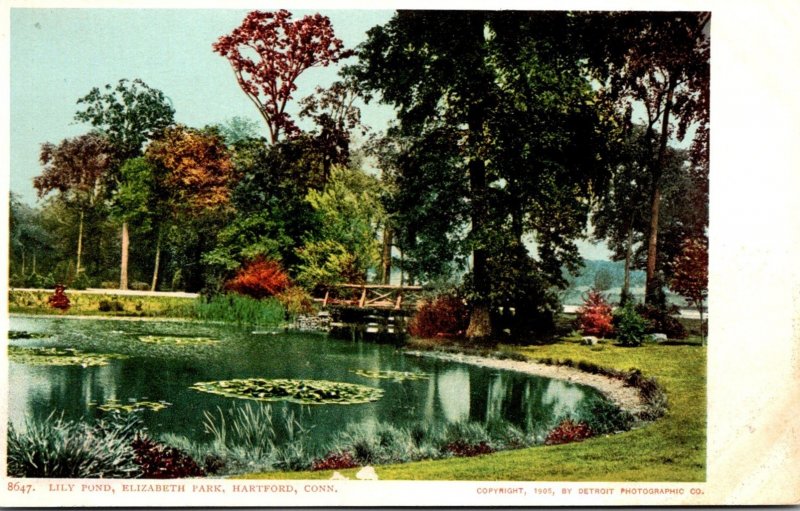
(177, 373)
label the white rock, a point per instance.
(589, 340)
(658, 337)
(367, 474)
(337, 476)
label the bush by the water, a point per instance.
(110, 306)
(662, 320)
(444, 316)
(260, 278)
(64, 449)
(239, 309)
(630, 326)
(569, 431)
(116, 447)
(296, 301)
(594, 317)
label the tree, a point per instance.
(27, 239)
(660, 61)
(129, 114)
(690, 275)
(76, 168)
(195, 175)
(505, 139)
(349, 213)
(269, 51)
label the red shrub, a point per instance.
(334, 461)
(59, 300)
(161, 462)
(259, 279)
(461, 448)
(568, 431)
(445, 316)
(595, 317)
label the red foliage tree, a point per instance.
(595, 317)
(59, 299)
(259, 279)
(445, 316)
(690, 275)
(268, 51)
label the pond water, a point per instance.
(154, 372)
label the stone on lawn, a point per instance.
(589, 340)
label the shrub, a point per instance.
(260, 278)
(605, 417)
(568, 431)
(461, 448)
(139, 286)
(630, 326)
(81, 281)
(59, 300)
(334, 461)
(444, 316)
(161, 462)
(110, 306)
(594, 317)
(662, 321)
(296, 301)
(67, 449)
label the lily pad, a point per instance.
(178, 341)
(392, 375)
(59, 357)
(115, 405)
(307, 392)
(22, 334)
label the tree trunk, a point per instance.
(123, 268)
(652, 286)
(702, 333)
(157, 261)
(625, 296)
(78, 268)
(386, 255)
(23, 262)
(480, 323)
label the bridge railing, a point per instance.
(368, 295)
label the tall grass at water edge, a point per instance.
(239, 309)
(257, 439)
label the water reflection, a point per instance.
(454, 392)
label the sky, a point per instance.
(59, 55)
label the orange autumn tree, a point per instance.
(197, 169)
(260, 278)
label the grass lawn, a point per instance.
(35, 302)
(670, 449)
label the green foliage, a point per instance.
(56, 448)
(345, 245)
(629, 325)
(296, 301)
(239, 309)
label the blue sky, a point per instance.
(58, 55)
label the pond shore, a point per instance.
(627, 398)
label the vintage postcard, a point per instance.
(330, 254)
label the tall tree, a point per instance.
(195, 176)
(76, 168)
(130, 114)
(269, 51)
(690, 275)
(465, 96)
(659, 61)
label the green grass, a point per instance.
(227, 308)
(35, 302)
(671, 449)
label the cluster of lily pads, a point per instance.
(392, 375)
(22, 334)
(309, 392)
(178, 341)
(132, 406)
(59, 357)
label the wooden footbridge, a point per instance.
(369, 296)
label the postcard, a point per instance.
(339, 255)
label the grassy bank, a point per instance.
(85, 304)
(227, 308)
(670, 449)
